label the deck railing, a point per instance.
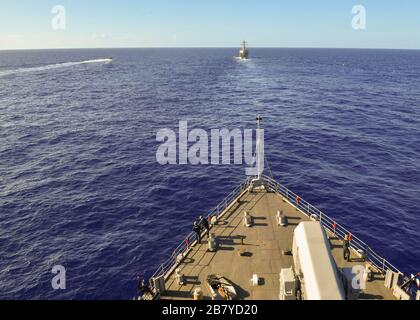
(380, 263)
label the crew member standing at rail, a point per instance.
(346, 248)
(143, 288)
(197, 229)
(204, 224)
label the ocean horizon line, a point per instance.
(210, 47)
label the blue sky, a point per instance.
(209, 23)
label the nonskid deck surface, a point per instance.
(263, 245)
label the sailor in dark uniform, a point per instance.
(143, 288)
(204, 224)
(197, 229)
(346, 248)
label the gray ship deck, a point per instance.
(263, 243)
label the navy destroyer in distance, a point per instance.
(264, 242)
(243, 52)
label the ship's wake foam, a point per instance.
(50, 67)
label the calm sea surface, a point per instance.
(79, 181)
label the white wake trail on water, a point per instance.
(51, 66)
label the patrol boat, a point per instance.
(268, 243)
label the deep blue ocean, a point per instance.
(80, 185)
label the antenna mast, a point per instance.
(259, 156)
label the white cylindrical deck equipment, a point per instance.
(314, 263)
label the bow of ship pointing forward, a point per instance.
(267, 243)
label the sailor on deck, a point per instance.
(197, 229)
(346, 248)
(143, 288)
(204, 224)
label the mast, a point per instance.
(260, 157)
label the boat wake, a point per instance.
(51, 66)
